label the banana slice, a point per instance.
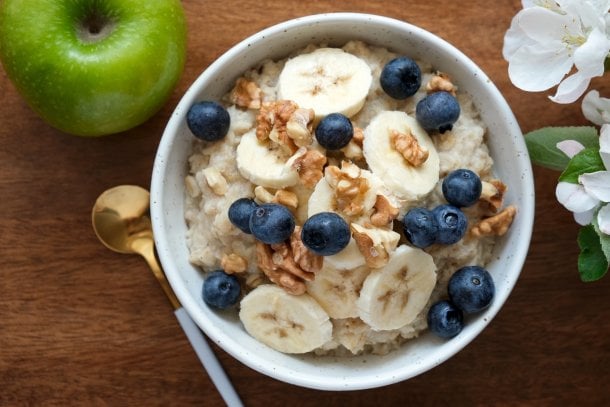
(327, 80)
(403, 179)
(263, 166)
(347, 259)
(285, 322)
(393, 296)
(337, 290)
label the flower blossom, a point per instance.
(547, 39)
(595, 108)
(592, 193)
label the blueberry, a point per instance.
(240, 211)
(437, 111)
(471, 289)
(462, 187)
(451, 222)
(420, 227)
(271, 223)
(445, 319)
(208, 120)
(220, 290)
(400, 78)
(334, 131)
(325, 233)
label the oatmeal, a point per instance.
(372, 168)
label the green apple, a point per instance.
(93, 67)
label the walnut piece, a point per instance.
(384, 212)
(353, 149)
(299, 127)
(271, 124)
(246, 94)
(281, 196)
(440, 82)
(305, 258)
(288, 264)
(216, 181)
(492, 194)
(407, 145)
(350, 187)
(375, 244)
(496, 225)
(233, 263)
(309, 164)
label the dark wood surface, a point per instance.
(80, 325)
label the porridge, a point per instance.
(317, 140)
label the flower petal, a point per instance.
(533, 68)
(603, 219)
(574, 198)
(571, 88)
(604, 145)
(584, 218)
(597, 184)
(545, 26)
(570, 147)
(589, 57)
(595, 108)
(514, 39)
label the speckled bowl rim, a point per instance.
(167, 193)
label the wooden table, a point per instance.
(80, 325)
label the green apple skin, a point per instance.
(93, 67)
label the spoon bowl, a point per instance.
(121, 222)
(120, 217)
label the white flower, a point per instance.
(593, 189)
(595, 108)
(547, 38)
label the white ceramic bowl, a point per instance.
(512, 165)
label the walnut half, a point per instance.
(246, 94)
(288, 264)
(408, 146)
(495, 225)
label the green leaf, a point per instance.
(588, 160)
(592, 263)
(542, 144)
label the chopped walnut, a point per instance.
(309, 164)
(374, 244)
(305, 258)
(407, 145)
(300, 127)
(384, 212)
(263, 195)
(350, 187)
(253, 280)
(353, 149)
(492, 194)
(286, 280)
(288, 264)
(216, 181)
(281, 196)
(271, 124)
(246, 94)
(440, 82)
(496, 225)
(233, 263)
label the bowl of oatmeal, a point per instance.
(341, 202)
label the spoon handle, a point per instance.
(147, 250)
(208, 359)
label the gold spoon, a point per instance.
(120, 221)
